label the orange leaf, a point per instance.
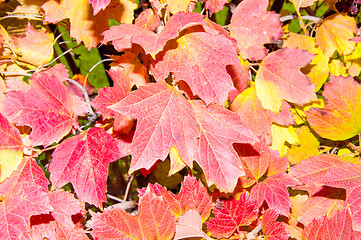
(341, 117)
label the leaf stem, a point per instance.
(354, 147)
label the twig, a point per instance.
(128, 188)
(16, 73)
(305, 17)
(251, 234)
(93, 116)
(114, 198)
(32, 17)
(354, 147)
(91, 69)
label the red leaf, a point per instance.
(27, 171)
(338, 227)
(165, 119)
(59, 224)
(256, 160)
(203, 69)
(231, 214)
(193, 195)
(124, 35)
(273, 190)
(148, 19)
(272, 229)
(111, 95)
(279, 78)
(311, 170)
(220, 129)
(83, 160)
(22, 202)
(154, 221)
(46, 107)
(252, 26)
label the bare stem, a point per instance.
(305, 17)
(128, 188)
(86, 97)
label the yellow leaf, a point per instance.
(298, 112)
(281, 136)
(337, 68)
(176, 163)
(353, 61)
(318, 69)
(175, 6)
(308, 147)
(9, 161)
(334, 33)
(36, 46)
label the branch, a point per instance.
(251, 234)
(93, 116)
(305, 17)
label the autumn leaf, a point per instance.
(189, 225)
(111, 95)
(11, 148)
(347, 175)
(83, 160)
(124, 35)
(59, 224)
(256, 118)
(214, 6)
(354, 201)
(165, 119)
(203, 69)
(334, 33)
(131, 65)
(99, 5)
(258, 159)
(27, 171)
(192, 196)
(273, 190)
(272, 229)
(46, 107)
(154, 221)
(21, 203)
(85, 27)
(231, 214)
(313, 169)
(252, 26)
(338, 227)
(308, 147)
(34, 45)
(219, 130)
(279, 78)
(303, 3)
(148, 19)
(341, 117)
(324, 200)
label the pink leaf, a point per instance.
(273, 190)
(98, 5)
(252, 26)
(46, 107)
